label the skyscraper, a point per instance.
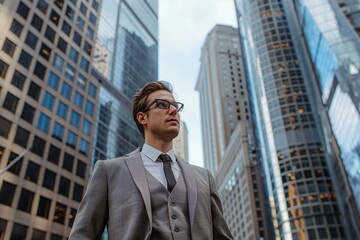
(229, 147)
(47, 116)
(181, 143)
(333, 53)
(293, 156)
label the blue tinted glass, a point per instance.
(84, 146)
(53, 81)
(70, 72)
(78, 99)
(81, 81)
(58, 131)
(71, 139)
(74, 55)
(92, 19)
(43, 122)
(58, 62)
(74, 118)
(92, 90)
(84, 64)
(48, 101)
(89, 108)
(62, 110)
(80, 23)
(66, 90)
(86, 127)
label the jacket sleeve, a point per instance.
(92, 214)
(220, 227)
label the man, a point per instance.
(151, 193)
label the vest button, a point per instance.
(173, 216)
(177, 229)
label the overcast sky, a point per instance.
(183, 27)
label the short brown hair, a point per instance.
(139, 102)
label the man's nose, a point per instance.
(173, 109)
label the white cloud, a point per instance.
(183, 28)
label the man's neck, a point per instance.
(160, 145)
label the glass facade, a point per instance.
(300, 188)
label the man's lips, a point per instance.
(173, 120)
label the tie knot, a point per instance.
(164, 158)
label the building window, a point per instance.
(42, 6)
(60, 213)
(25, 59)
(45, 51)
(68, 162)
(43, 123)
(11, 102)
(31, 40)
(7, 193)
(5, 126)
(21, 137)
(38, 234)
(23, 10)
(92, 18)
(3, 68)
(3, 224)
(80, 169)
(81, 81)
(87, 48)
(28, 113)
(40, 70)
(54, 17)
(78, 99)
(75, 118)
(74, 55)
(84, 64)
(38, 146)
(86, 127)
(89, 108)
(90, 33)
(16, 28)
(77, 192)
(18, 80)
(34, 91)
(64, 186)
(92, 90)
(84, 146)
(9, 47)
(54, 154)
(44, 207)
(58, 131)
(48, 100)
(37, 22)
(16, 168)
(95, 5)
(54, 236)
(53, 81)
(70, 72)
(62, 45)
(77, 38)
(80, 23)
(50, 34)
(83, 9)
(66, 28)
(25, 200)
(62, 110)
(59, 4)
(49, 179)
(19, 231)
(58, 62)
(71, 139)
(72, 216)
(32, 172)
(70, 13)
(66, 90)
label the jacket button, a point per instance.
(173, 216)
(177, 229)
(172, 204)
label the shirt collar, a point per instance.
(154, 154)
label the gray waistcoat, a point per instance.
(170, 213)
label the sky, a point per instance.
(183, 26)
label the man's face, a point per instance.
(161, 123)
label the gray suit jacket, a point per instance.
(118, 196)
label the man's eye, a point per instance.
(163, 104)
(176, 105)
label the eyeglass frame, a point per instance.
(179, 109)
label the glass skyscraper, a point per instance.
(293, 155)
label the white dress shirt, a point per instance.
(150, 155)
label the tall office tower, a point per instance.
(181, 143)
(47, 102)
(230, 151)
(297, 174)
(333, 48)
(126, 58)
(351, 9)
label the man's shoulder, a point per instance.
(111, 161)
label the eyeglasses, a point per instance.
(164, 104)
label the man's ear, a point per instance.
(141, 117)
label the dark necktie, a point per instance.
(170, 179)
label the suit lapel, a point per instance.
(137, 171)
(191, 187)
